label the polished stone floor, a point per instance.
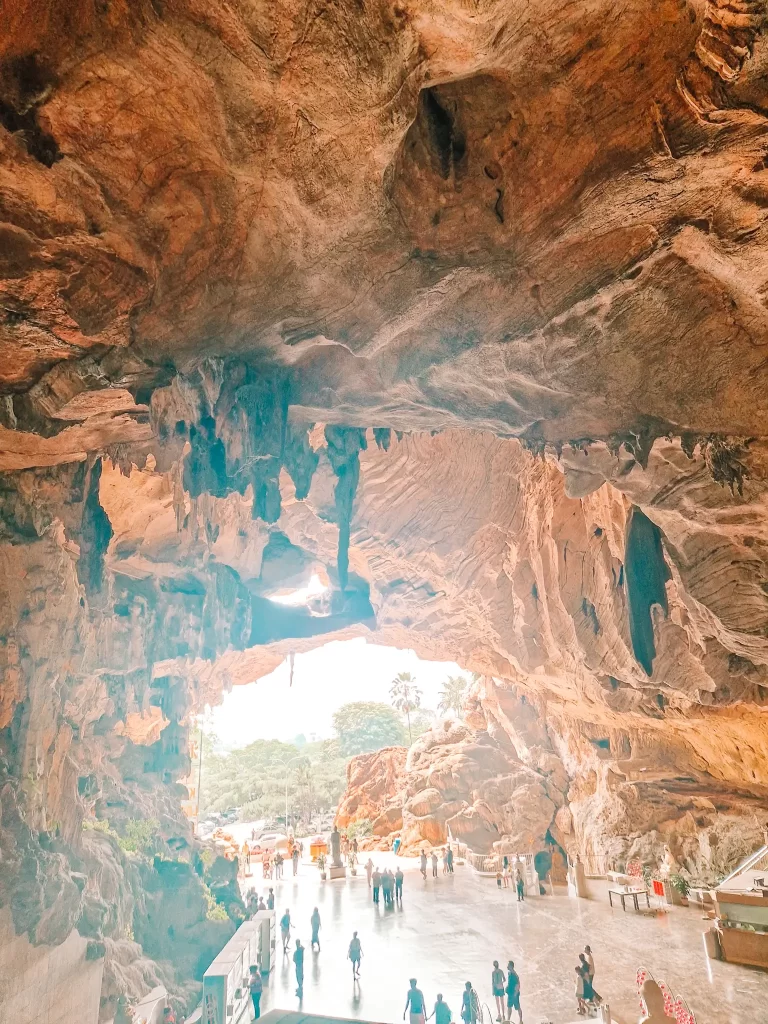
(450, 929)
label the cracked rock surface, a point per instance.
(459, 306)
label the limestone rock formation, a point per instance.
(457, 306)
(465, 785)
(373, 793)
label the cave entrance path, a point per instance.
(451, 929)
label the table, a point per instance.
(633, 893)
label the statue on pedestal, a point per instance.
(336, 849)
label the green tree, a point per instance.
(363, 726)
(255, 779)
(453, 695)
(406, 697)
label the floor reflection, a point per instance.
(450, 929)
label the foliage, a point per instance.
(257, 778)
(214, 911)
(140, 835)
(359, 829)
(680, 884)
(406, 697)
(364, 726)
(99, 825)
(453, 695)
(422, 721)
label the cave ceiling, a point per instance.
(459, 305)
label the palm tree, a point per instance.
(406, 696)
(453, 695)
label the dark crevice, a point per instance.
(95, 535)
(498, 206)
(588, 610)
(446, 141)
(647, 573)
(26, 85)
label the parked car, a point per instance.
(273, 841)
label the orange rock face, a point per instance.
(374, 782)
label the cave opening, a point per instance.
(318, 710)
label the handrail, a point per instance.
(755, 861)
(485, 1008)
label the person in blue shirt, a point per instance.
(441, 1012)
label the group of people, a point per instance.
(389, 883)
(504, 876)
(254, 903)
(349, 848)
(587, 996)
(506, 992)
(434, 857)
(354, 953)
(272, 861)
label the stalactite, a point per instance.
(344, 447)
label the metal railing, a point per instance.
(484, 864)
(757, 862)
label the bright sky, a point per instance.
(323, 680)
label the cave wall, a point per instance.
(47, 984)
(458, 306)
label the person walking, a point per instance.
(369, 871)
(513, 992)
(414, 1002)
(445, 862)
(298, 963)
(396, 845)
(588, 959)
(497, 987)
(470, 1005)
(285, 929)
(450, 860)
(295, 859)
(423, 864)
(434, 864)
(589, 994)
(376, 878)
(271, 900)
(441, 1012)
(278, 865)
(262, 905)
(579, 992)
(255, 987)
(520, 885)
(399, 884)
(355, 954)
(315, 922)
